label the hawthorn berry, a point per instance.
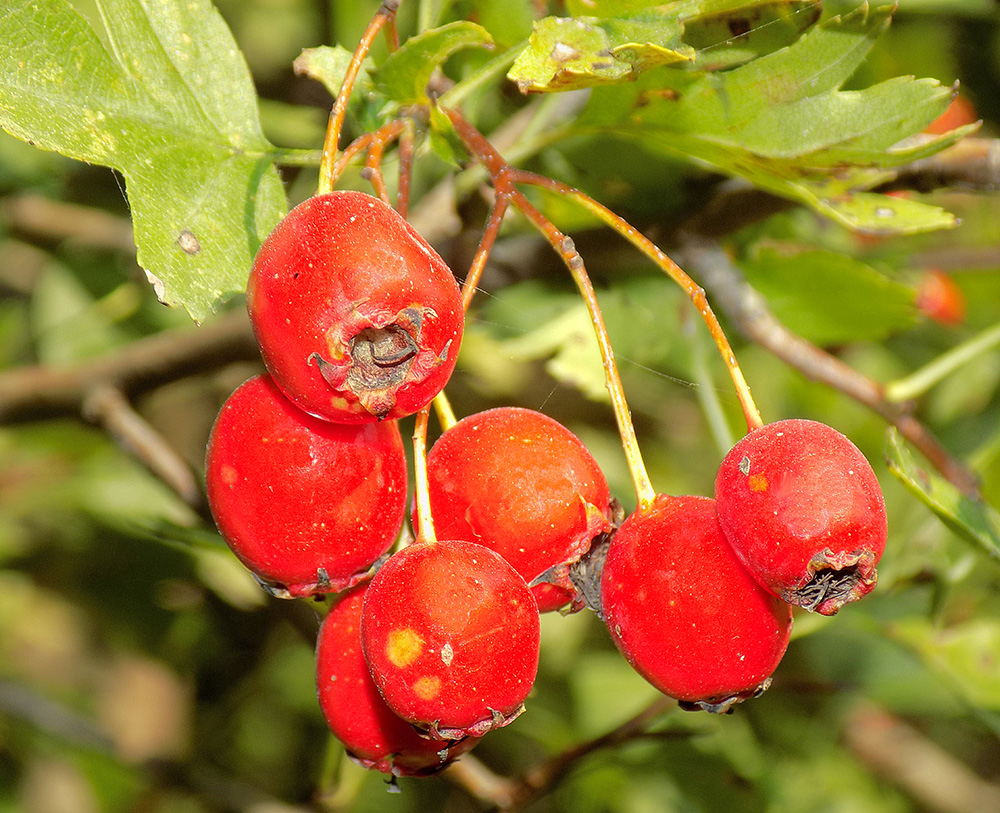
(684, 612)
(450, 632)
(357, 317)
(355, 712)
(803, 510)
(307, 505)
(520, 483)
(939, 298)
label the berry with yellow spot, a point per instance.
(373, 736)
(450, 632)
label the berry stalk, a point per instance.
(328, 168)
(694, 291)
(504, 178)
(425, 522)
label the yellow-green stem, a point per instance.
(503, 177)
(695, 292)
(425, 523)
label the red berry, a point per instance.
(357, 317)
(959, 113)
(940, 298)
(521, 484)
(803, 510)
(684, 612)
(451, 633)
(307, 505)
(354, 710)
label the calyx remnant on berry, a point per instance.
(358, 319)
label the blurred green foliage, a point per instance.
(141, 668)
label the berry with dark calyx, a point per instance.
(684, 612)
(450, 632)
(358, 319)
(307, 505)
(803, 510)
(372, 734)
(522, 484)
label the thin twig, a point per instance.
(514, 794)
(749, 312)
(32, 393)
(107, 406)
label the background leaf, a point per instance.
(169, 103)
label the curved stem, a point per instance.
(445, 414)
(503, 177)
(917, 383)
(328, 164)
(695, 292)
(490, 232)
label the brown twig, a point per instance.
(749, 312)
(107, 406)
(921, 768)
(32, 393)
(514, 794)
(42, 218)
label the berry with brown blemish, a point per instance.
(357, 317)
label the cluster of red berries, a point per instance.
(426, 650)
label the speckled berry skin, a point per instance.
(450, 632)
(358, 319)
(522, 484)
(307, 505)
(804, 511)
(355, 712)
(684, 612)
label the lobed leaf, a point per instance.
(405, 74)
(169, 102)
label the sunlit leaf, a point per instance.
(169, 102)
(566, 53)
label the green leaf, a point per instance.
(567, 53)
(965, 654)
(828, 297)
(404, 75)
(782, 122)
(326, 64)
(729, 32)
(169, 102)
(975, 522)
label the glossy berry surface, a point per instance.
(803, 510)
(356, 316)
(355, 712)
(522, 484)
(305, 504)
(684, 612)
(451, 635)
